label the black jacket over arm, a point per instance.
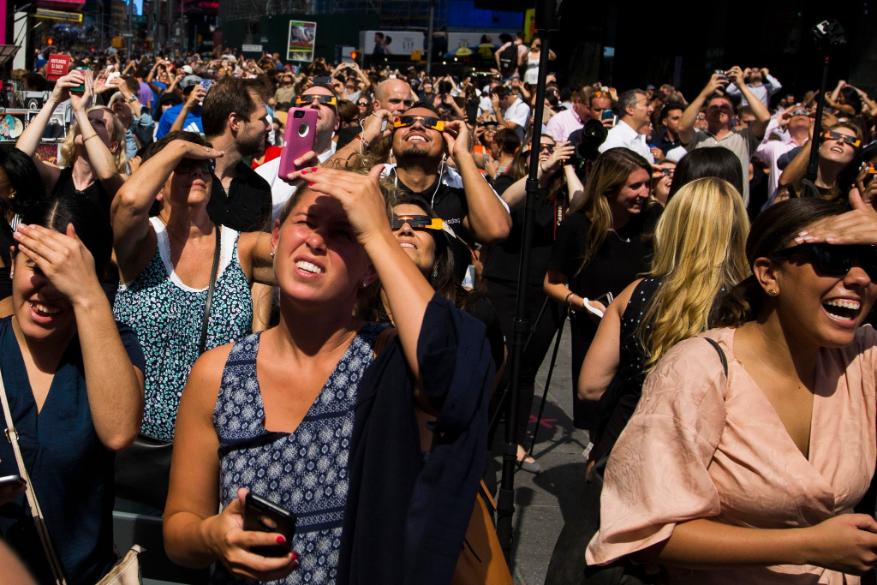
(407, 512)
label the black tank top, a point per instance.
(94, 192)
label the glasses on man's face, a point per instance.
(845, 138)
(416, 222)
(425, 121)
(836, 261)
(188, 166)
(722, 109)
(307, 100)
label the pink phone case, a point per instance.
(301, 131)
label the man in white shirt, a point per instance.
(328, 122)
(511, 111)
(630, 132)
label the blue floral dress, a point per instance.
(167, 315)
(304, 472)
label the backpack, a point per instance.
(508, 59)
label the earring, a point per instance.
(365, 283)
(772, 292)
(271, 253)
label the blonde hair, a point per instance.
(120, 158)
(700, 250)
(607, 177)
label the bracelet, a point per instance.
(566, 300)
(89, 138)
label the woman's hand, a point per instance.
(457, 139)
(231, 544)
(858, 226)
(63, 259)
(867, 193)
(61, 92)
(81, 103)
(844, 543)
(562, 153)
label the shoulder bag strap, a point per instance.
(721, 353)
(33, 503)
(202, 344)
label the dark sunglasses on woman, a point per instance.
(417, 222)
(831, 260)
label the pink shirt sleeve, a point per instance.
(657, 474)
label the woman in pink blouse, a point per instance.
(752, 476)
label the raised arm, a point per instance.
(99, 156)
(762, 114)
(33, 132)
(114, 385)
(488, 218)
(689, 116)
(130, 211)
(195, 96)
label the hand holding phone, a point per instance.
(300, 134)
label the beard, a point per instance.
(254, 147)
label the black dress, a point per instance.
(624, 255)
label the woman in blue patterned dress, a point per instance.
(165, 264)
(313, 416)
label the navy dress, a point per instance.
(71, 470)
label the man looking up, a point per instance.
(667, 133)
(760, 82)
(798, 124)
(236, 122)
(511, 111)
(633, 110)
(720, 122)
(463, 198)
(325, 102)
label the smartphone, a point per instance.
(11, 481)
(608, 114)
(301, 131)
(261, 515)
(79, 89)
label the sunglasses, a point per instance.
(851, 140)
(417, 222)
(831, 260)
(187, 166)
(426, 121)
(306, 100)
(362, 104)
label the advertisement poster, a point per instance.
(57, 67)
(382, 43)
(301, 40)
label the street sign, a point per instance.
(57, 66)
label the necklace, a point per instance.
(620, 239)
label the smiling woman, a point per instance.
(768, 458)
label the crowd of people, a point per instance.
(326, 330)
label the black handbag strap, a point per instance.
(721, 353)
(202, 344)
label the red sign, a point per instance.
(57, 66)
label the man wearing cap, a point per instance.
(322, 99)
(192, 121)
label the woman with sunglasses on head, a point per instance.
(340, 447)
(167, 264)
(73, 379)
(744, 460)
(601, 247)
(834, 177)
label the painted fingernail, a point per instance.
(306, 171)
(281, 539)
(310, 183)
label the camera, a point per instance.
(829, 34)
(444, 86)
(593, 134)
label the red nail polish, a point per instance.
(306, 171)
(281, 539)
(294, 556)
(310, 184)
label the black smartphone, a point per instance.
(261, 515)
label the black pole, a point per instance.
(813, 162)
(545, 17)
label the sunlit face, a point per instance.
(417, 140)
(719, 113)
(417, 243)
(102, 122)
(327, 116)
(394, 95)
(317, 258)
(252, 132)
(671, 121)
(633, 194)
(640, 111)
(822, 310)
(40, 310)
(598, 105)
(838, 151)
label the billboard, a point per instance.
(391, 42)
(301, 40)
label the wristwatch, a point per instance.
(132, 99)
